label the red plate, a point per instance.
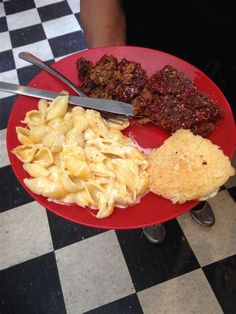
(152, 209)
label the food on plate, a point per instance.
(188, 167)
(73, 155)
(172, 101)
(168, 98)
(109, 78)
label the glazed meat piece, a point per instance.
(84, 67)
(172, 102)
(109, 78)
(168, 98)
(103, 71)
(169, 81)
(172, 114)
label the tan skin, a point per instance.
(103, 23)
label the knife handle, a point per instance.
(99, 104)
(27, 91)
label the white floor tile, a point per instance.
(41, 3)
(217, 242)
(62, 57)
(41, 49)
(5, 41)
(24, 234)
(74, 5)
(23, 19)
(4, 160)
(11, 77)
(63, 25)
(232, 180)
(2, 10)
(190, 293)
(93, 272)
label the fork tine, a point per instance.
(114, 118)
(117, 120)
(114, 115)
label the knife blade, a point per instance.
(100, 104)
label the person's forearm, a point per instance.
(103, 22)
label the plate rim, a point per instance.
(96, 225)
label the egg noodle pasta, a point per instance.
(73, 155)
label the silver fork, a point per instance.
(36, 61)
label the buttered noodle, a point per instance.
(73, 155)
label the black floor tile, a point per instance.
(149, 264)
(12, 193)
(71, 231)
(7, 62)
(15, 6)
(6, 105)
(27, 35)
(127, 305)
(222, 278)
(67, 44)
(53, 11)
(26, 74)
(32, 287)
(222, 188)
(3, 24)
(232, 192)
(77, 15)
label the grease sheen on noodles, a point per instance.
(73, 155)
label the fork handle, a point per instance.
(36, 61)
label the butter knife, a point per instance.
(100, 104)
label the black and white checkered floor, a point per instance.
(50, 265)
